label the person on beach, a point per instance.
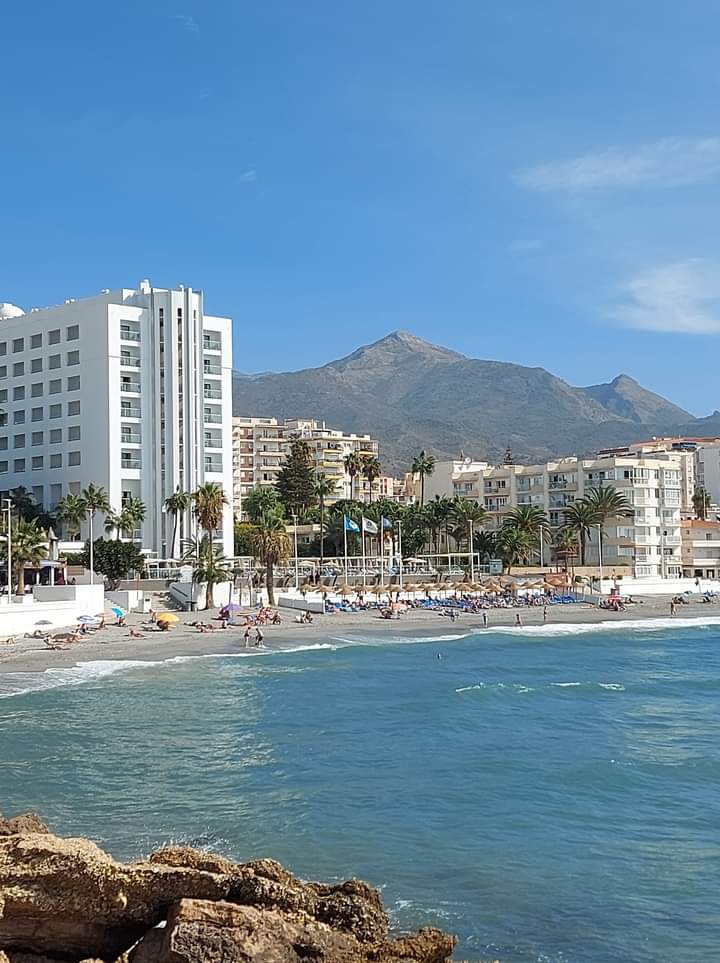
(518, 620)
(544, 613)
(258, 638)
(673, 607)
(485, 620)
(246, 636)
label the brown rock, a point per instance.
(193, 859)
(26, 823)
(353, 906)
(68, 895)
(426, 946)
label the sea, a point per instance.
(549, 794)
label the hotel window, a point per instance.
(36, 390)
(37, 438)
(73, 384)
(54, 361)
(18, 417)
(73, 408)
(56, 436)
(37, 462)
(19, 441)
(74, 458)
(3, 395)
(19, 464)
(3, 348)
(36, 414)
(36, 365)
(18, 369)
(18, 345)
(36, 341)
(54, 336)
(74, 433)
(3, 466)
(4, 444)
(55, 461)
(55, 493)
(73, 333)
(3, 371)
(19, 393)
(73, 357)
(56, 411)
(55, 387)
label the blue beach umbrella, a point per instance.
(116, 610)
(86, 619)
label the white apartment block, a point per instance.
(260, 446)
(130, 389)
(648, 541)
(700, 548)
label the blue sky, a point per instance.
(523, 181)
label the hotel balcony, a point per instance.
(211, 344)
(130, 387)
(211, 392)
(215, 418)
(129, 463)
(129, 334)
(130, 411)
(129, 360)
(211, 369)
(213, 466)
(130, 437)
(213, 440)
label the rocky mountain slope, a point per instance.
(412, 394)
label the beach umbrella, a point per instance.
(43, 622)
(232, 607)
(378, 590)
(167, 617)
(87, 619)
(346, 590)
(116, 610)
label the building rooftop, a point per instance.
(699, 523)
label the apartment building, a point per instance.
(260, 446)
(131, 390)
(700, 548)
(648, 541)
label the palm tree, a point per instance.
(24, 502)
(132, 515)
(565, 543)
(439, 512)
(423, 465)
(531, 519)
(701, 502)
(466, 513)
(29, 547)
(515, 545)
(176, 505)
(606, 503)
(261, 499)
(71, 512)
(212, 568)
(579, 519)
(324, 487)
(372, 470)
(353, 466)
(210, 500)
(272, 546)
(486, 545)
(95, 499)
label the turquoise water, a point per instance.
(549, 797)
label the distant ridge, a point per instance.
(413, 394)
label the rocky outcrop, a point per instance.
(67, 900)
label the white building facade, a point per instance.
(130, 390)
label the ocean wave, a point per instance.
(21, 683)
(522, 688)
(403, 639)
(580, 628)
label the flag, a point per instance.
(350, 525)
(369, 526)
(387, 523)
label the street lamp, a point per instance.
(8, 509)
(600, 560)
(472, 553)
(297, 573)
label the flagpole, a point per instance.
(382, 551)
(346, 557)
(362, 536)
(400, 561)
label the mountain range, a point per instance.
(412, 394)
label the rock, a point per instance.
(189, 858)
(426, 946)
(352, 906)
(26, 823)
(201, 932)
(69, 894)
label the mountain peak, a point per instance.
(397, 346)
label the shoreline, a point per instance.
(113, 644)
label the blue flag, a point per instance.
(387, 523)
(350, 525)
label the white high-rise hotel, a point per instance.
(131, 390)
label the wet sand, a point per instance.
(114, 642)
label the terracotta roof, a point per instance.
(699, 523)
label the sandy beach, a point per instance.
(114, 643)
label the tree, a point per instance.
(423, 465)
(466, 514)
(353, 466)
(29, 548)
(324, 487)
(113, 559)
(24, 503)
(260, 500)
(371, 470)
(439, 513)
(132, 515)
(606, 502)
(95, 500)
(243, 538)
(515, 545)
(565, 543)
(113, 523)
(579, 519)
(296, 479)
(701, 502)
(210, 500)
(531, 519)
(176, 505)
(211, 568)
(71, 512)
(486, 545)
(272, 546)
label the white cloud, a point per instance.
(248, 176)
(188, 22)
(682, 297)
(672, 162)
